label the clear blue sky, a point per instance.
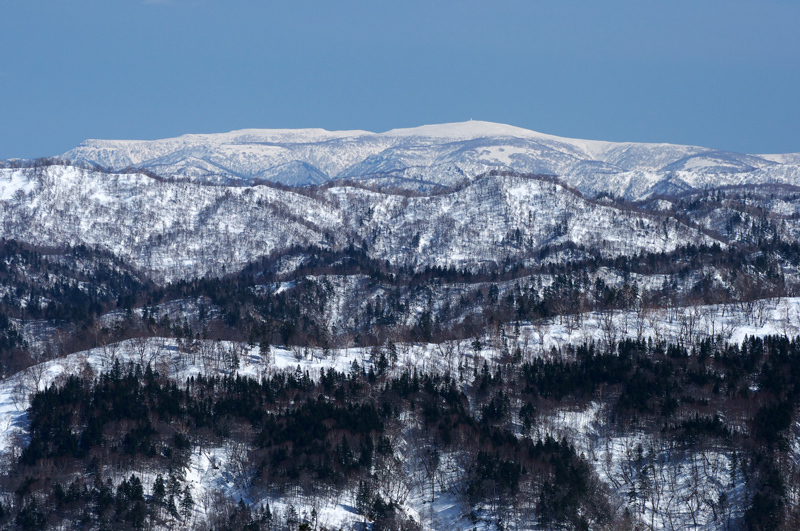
(718, 73)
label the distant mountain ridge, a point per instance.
(433, 156)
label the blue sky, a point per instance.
(718, 73)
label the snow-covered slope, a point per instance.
(611, 453)
(437, 155)
(173, 230)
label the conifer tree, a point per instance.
(187, 503)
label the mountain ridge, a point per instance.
(435, 156)
(182, 230)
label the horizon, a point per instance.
(719, 74)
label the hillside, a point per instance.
(433, 332)
(179, 230)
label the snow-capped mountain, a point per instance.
(437, 156)
(439, 337)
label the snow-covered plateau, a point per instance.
(437, 156)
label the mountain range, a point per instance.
(459, 326)
(437, 156)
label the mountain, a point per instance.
(439, 331)
(179, 230)
(436, 156)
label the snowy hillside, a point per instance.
(669, 498)
(437, 155)
(458, 326)
(174, 230)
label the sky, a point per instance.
(718, 73)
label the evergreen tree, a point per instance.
(159, 490)
(187, 503)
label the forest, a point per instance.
(350, 379)
(475, 434)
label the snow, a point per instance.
(431, 154)
(502, 155)
(180, 230)
(783, 158)
(12, 183)
(465, 131)
(210, 468)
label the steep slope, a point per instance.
(166, 229)
(433, 156)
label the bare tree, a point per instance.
(35, 374)
(525, 342)
(641, 320)
(787, 325)
(761, 311)
(688, 321)
(108, 354)
(540, 326)
(446, 352)
(608, 328)
(726, 323)
(430, 460)
(655, 322)
(141, 347)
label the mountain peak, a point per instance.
(465, 130)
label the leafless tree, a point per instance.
(108, 354)
(540, 326)
(688, 321)
(787, 321)
(446, 352)
(35, 374)
(761, 311)
(141, 350)
(726, 323)
(391, 478)
(608, 328)
(654, 321)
